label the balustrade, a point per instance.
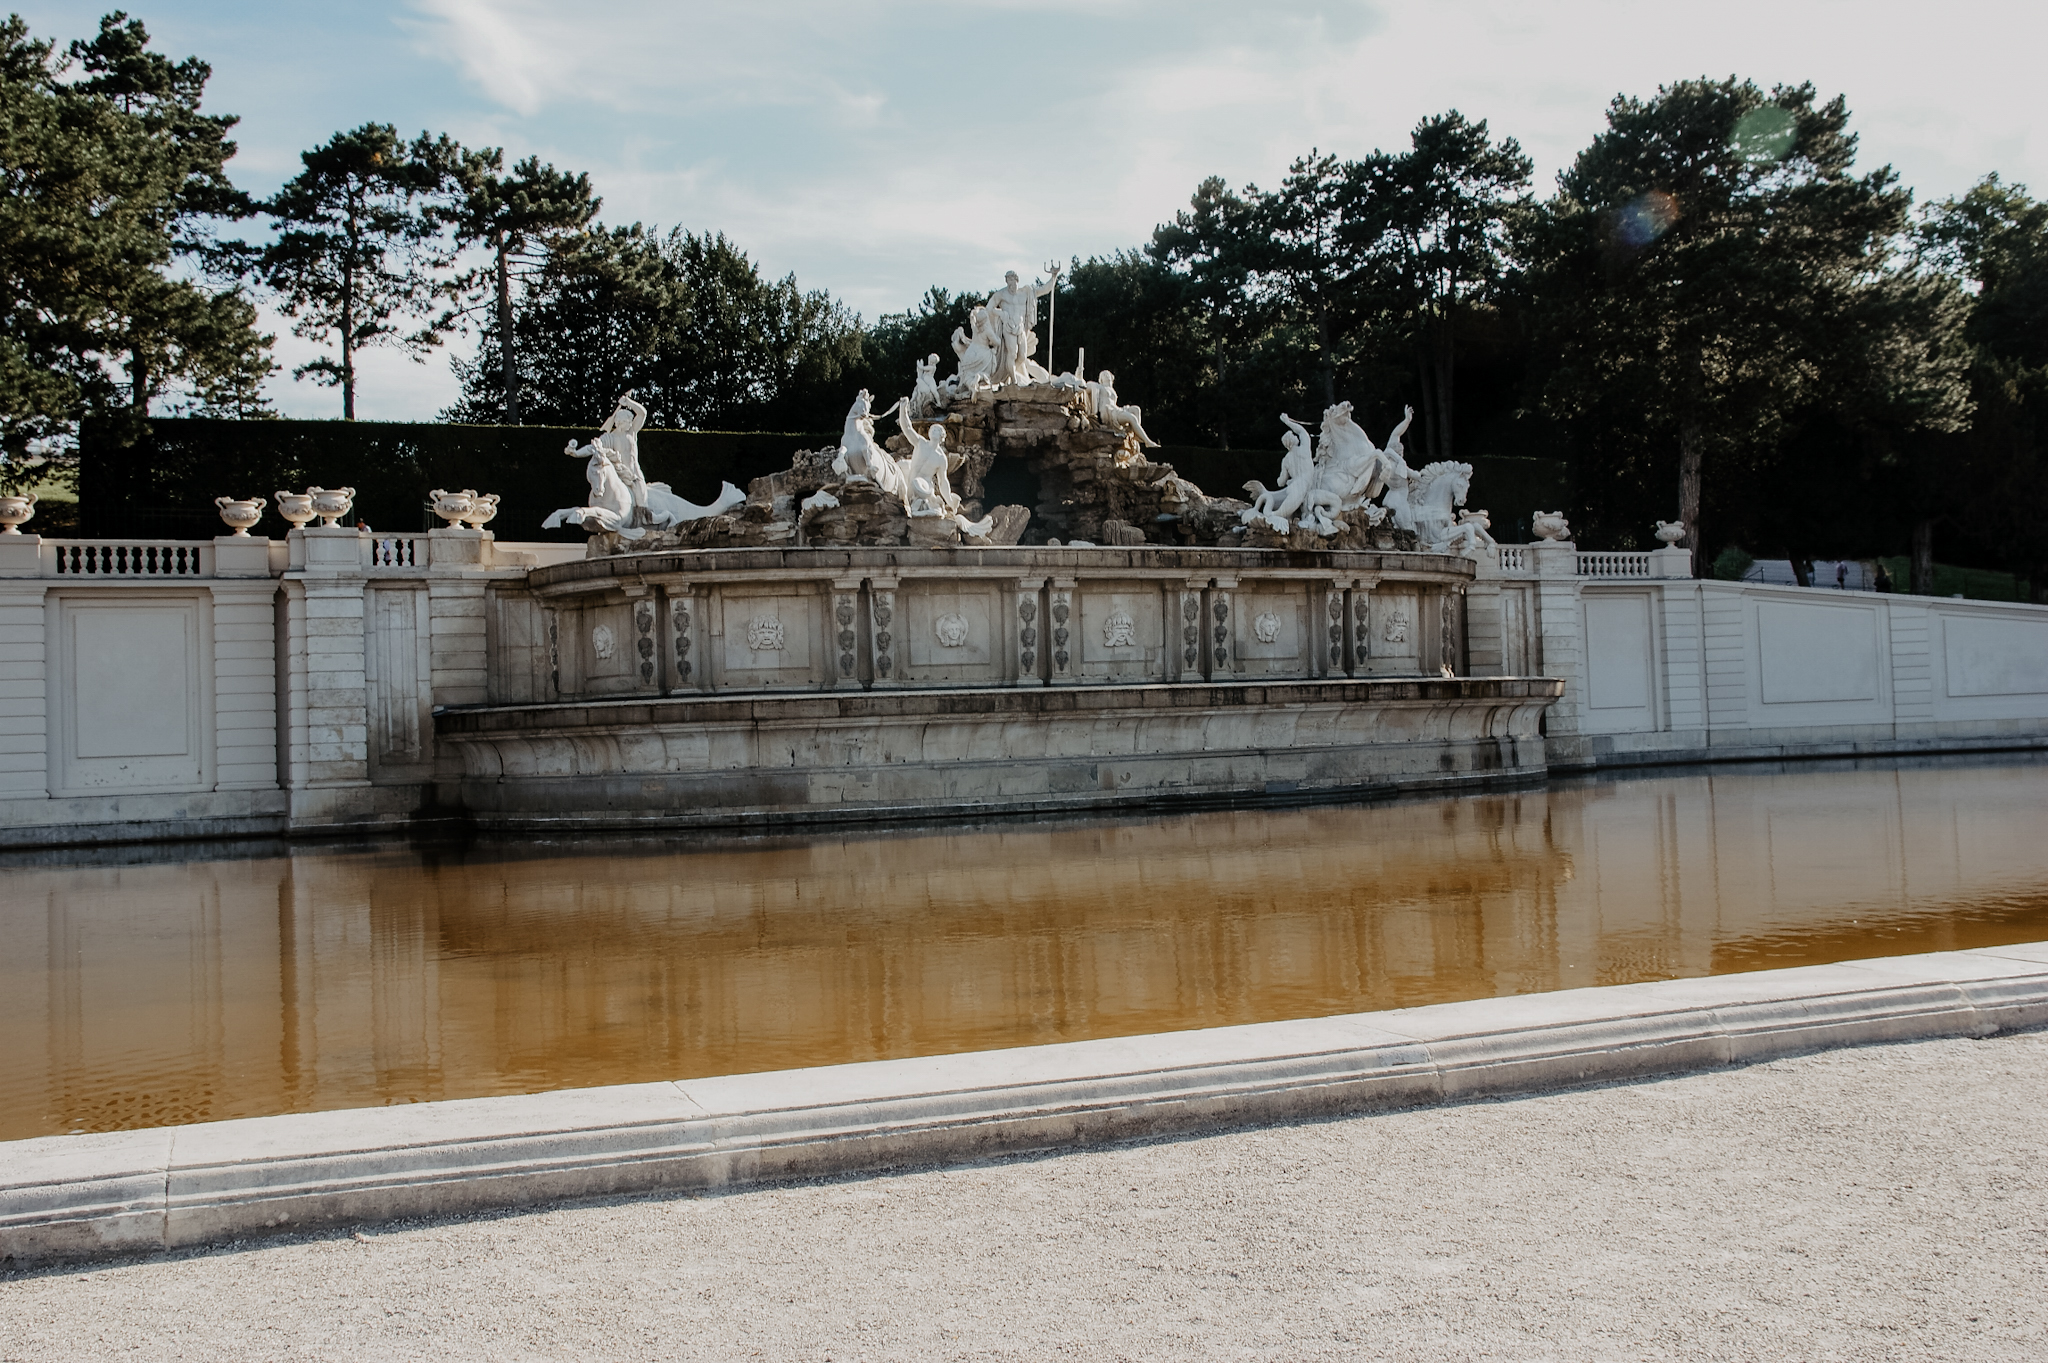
(127, 558)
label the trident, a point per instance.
(1052, 310)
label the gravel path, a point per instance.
(1882, 1203)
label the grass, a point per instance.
(1976, 584)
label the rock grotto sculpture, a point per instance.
(1071, 448)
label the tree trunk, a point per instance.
(1923, 558)
(138, 383)
(1802, 571)
(1691, 452)
(509, 369)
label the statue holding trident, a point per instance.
(1013, 317)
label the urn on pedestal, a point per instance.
(241, 512)
(295, 508)
(14, 509)
(332, 503)
(452, 507)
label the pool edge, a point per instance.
(83, 1197)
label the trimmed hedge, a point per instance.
(162, 484)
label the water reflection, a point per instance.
(133, 995)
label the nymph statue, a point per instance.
(621, 498)
(975, 345)
(1112, 415)
(924, 394)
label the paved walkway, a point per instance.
(1885, 1203)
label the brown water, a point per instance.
(192, 990)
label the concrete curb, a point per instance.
(138, 1191)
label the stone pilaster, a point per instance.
(1060, 623)
(845, 625)
(1221, 650)
(1326, 630)
(685, 630)
(1184, 632)
(1028, 614)
(1360, 650)
(884, 632)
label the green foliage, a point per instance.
(162, 478)
(687, 322)
(1709, 275)
(358, 246)
(1733, 563)
(111, 177)
(517, 219)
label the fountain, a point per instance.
(864, 634)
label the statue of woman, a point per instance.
(924, 395)
(977, 352)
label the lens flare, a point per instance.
(1644, 218)
(1764, 135)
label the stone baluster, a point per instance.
(845, 634)
(883, 631)
(1060, 625)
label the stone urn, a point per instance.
(14, 509)
(296, 508)
(241, 512)
(452, 507)
(1670, 532)
(1550, 525)
(332, 503)
(482, 508)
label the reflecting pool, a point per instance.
(180, 986)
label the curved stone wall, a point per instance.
(818, 619)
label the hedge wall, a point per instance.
(162, 484)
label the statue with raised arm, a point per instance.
(621, 498)
(1013, 318)
(975, 344)
(1296, 482)
(929, 491)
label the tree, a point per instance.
(1993, 241)
(358, 248)
(111, 182)
(1696, 273)
(516, 218)
(1433, 223)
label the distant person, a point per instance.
(1841, 577)
(1884, 579)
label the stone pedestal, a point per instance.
(241, 556)
(21, 555)
(1671, 561)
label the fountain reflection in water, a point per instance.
(137, 995)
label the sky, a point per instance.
(875, 148)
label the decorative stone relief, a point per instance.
(554, 653)
(643, 625)
(764, 634)
(1119, 630)
(1361, 627)
(1191, 628)
(1266, 627)
(845, 610)
(1447, 649)
(883, 614)
(679, 616)
(950, 630)
(604, 643)
(1220, 635)
(1395, 631)
(1027, 629)
(1061, 611)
